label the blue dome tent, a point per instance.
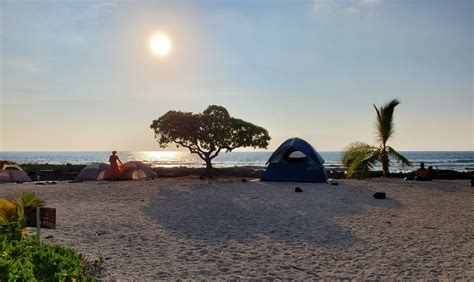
(295, 161)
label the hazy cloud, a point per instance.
(321, 5)
(94, 12)
(362, 6)
(104, 5)
(347, 7)
(21, 64)
(369, 2)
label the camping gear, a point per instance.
(11, 172)
(136, 170)
(95, 171)
(380, 195)
(295, 161)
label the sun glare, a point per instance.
(160, 44)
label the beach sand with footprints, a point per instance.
(224, 228)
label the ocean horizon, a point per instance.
(452, 160)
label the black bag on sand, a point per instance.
(379, 195)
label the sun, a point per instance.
(160, 44)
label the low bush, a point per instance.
(11, 231)
(26, 259)
(29, 260)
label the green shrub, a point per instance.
(11, 231)
(28, 260)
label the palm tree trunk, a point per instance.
(385, 163)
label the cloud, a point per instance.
(348, 7)
(362, 6)
(104, 5)
(369, 3)
(94, 12)
(321, 5)
(352, 10)
(21, 64)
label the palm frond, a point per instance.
(8, 211)
(29, 200)
(384, 121)
(397, 156)
(359, 158)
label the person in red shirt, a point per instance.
(422, 174)
(114, 165)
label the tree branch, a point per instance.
(194, 149)
(216, 153)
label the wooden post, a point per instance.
(38, 223)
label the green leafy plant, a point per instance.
(26, 259)
(360, 157)
(30, 260)
(11, 231)
(208, 133)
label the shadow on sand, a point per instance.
(242, 212)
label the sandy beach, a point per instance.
(224, 228)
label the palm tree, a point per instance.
(13, 210)
(360, 157)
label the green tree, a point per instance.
(360, 157)
(208, 133)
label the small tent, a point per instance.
(295, 161)
(12, 172)
(96, 171)
(136, 171)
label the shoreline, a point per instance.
(50, 172)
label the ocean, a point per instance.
(455, 160)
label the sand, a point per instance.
(224, 228)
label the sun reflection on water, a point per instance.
(164, 158)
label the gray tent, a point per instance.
(96, 171)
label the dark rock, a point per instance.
(379, 195)
(100, 232)
(298, 190)
(49, 237)
(50, 172)
(244, 180)
(334, 183)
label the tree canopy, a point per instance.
(208, 133)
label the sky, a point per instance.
(79, 75)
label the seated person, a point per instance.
(422, 174)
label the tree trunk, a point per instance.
(385, 164)
(208, 167)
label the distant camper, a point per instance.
(423, 174)
(114, 165)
